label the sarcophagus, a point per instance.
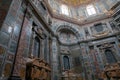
(38, 70)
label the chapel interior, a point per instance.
(59, 39)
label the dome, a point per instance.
(81, 11)
(75, 3)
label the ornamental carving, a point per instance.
(38, 70)
(111, 71)
(99, 30)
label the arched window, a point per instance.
(109, 56)
(90, 10)
(36, 52)
(64, 10)
(66, 63)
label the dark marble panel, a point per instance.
(13, 46)
(17, 3)
(10, 57)
(28, 35)
(13, 11)
(2, 51)
(1, 61)
(14, 8)
(5, 4)
(4, 38)
(10, 19)
(25, 52)
(7, 69)
(22, 72)
(20, 17)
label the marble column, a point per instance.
(54, 59)
(82, 56)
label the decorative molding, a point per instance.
(105, 33)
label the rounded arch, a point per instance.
(67, 27)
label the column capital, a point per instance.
(54, 38)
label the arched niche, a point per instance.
(67, 36)
(66, 62)
(67, 27)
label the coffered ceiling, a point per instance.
(76, 2)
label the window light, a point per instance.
(91, 10)
(64, 10)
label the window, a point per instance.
(99, 27)
(64, 10)
(91, 10)
(109, 56)
(66, 63)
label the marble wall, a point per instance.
(9, 35)
(92, 55)
(22, 23)
(17, 36)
